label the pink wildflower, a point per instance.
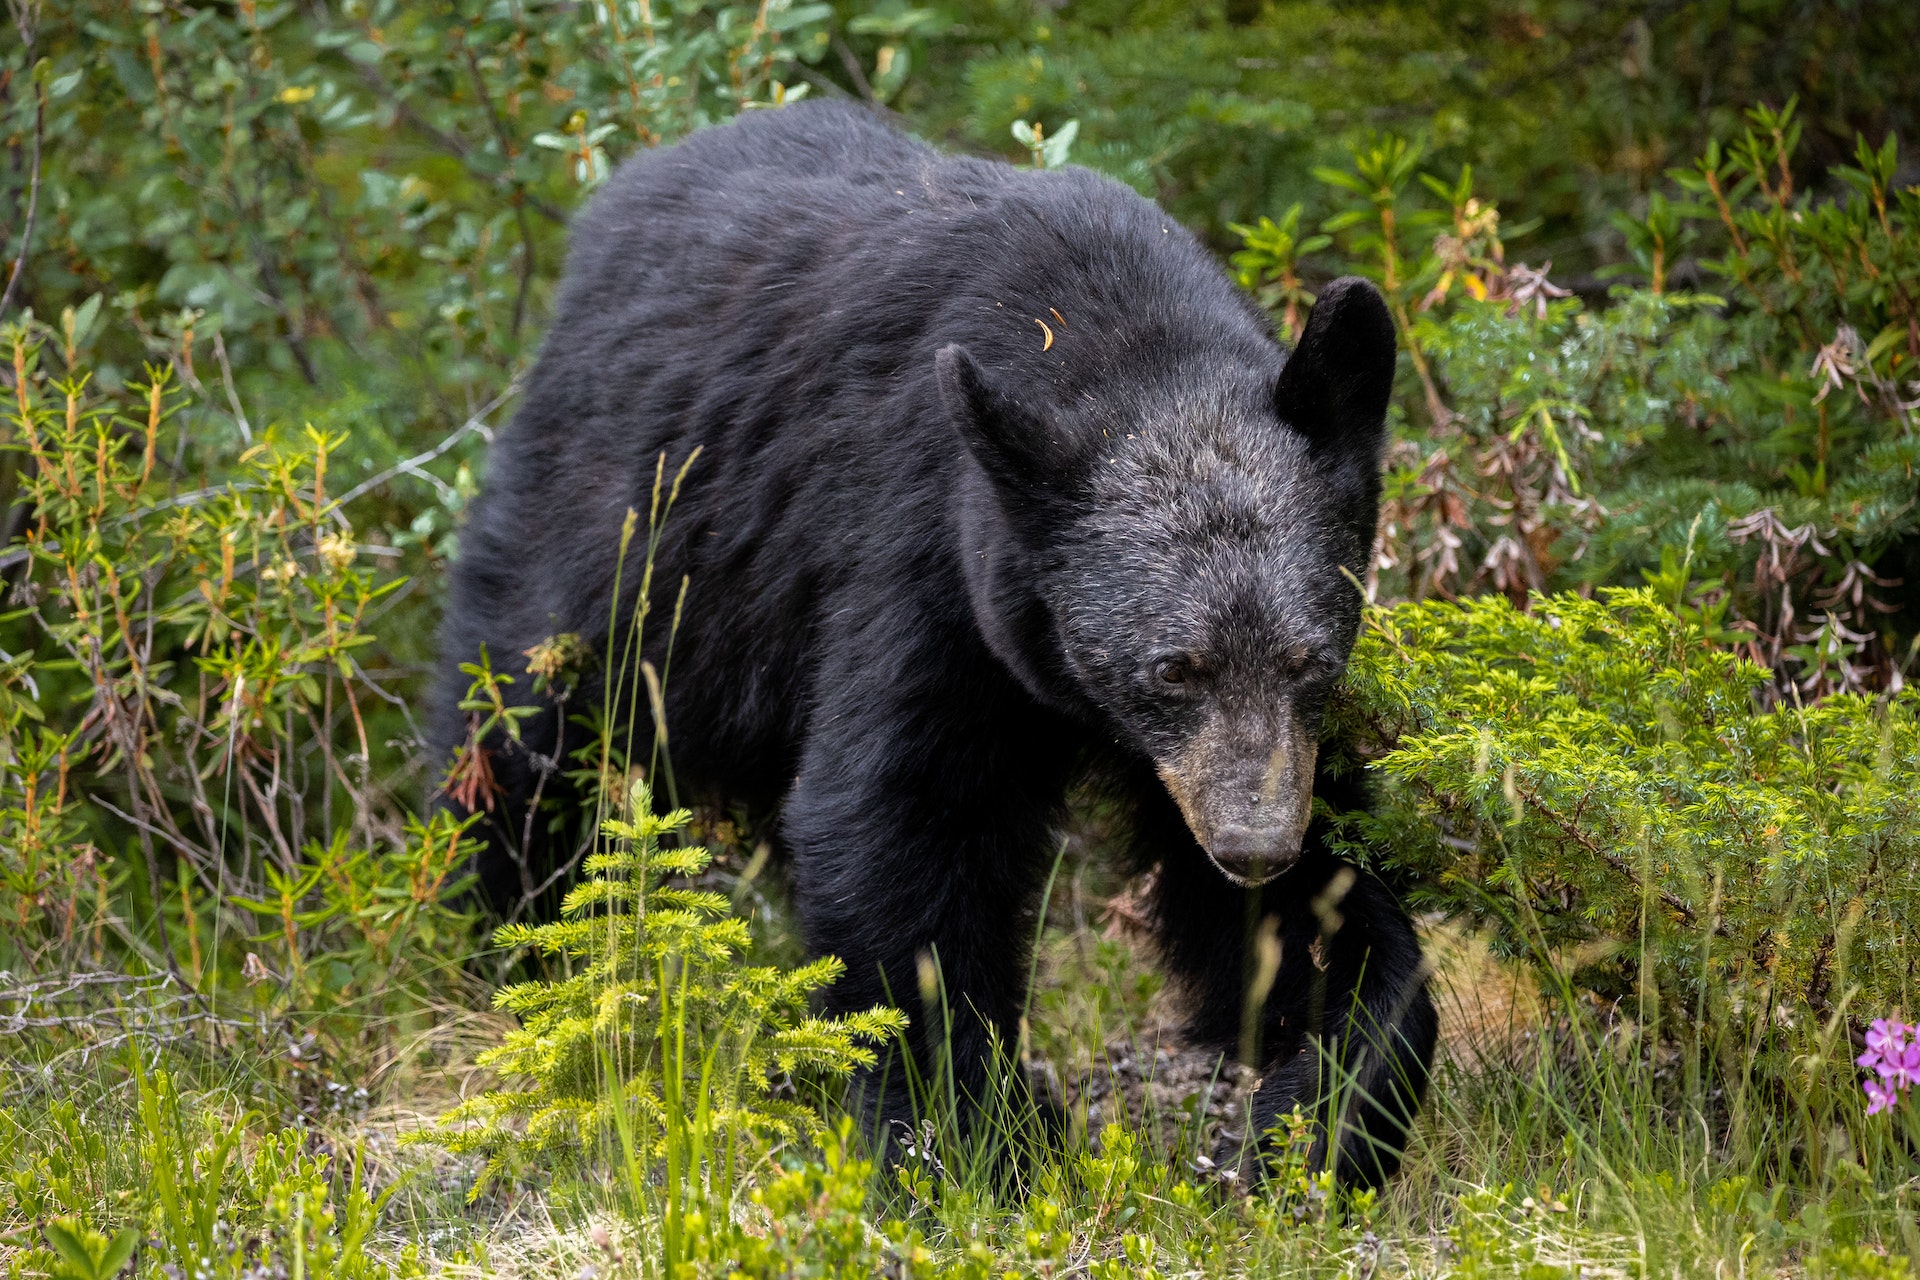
(1903, 1072)
(1883, 1032)
(1892, 1058)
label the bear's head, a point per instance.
(1179, 558)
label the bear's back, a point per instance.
(807, 140)
(811, 186)
(771, 293)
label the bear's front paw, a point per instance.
(1319, 1105)
(1279, 1125)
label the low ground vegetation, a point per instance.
(1634, 694)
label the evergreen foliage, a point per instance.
(656, 1033)
(1598, 780)
(1571, 109)
(1666, 410)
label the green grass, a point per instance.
(1557, 1140)
(241, 820)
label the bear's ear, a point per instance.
(1335, 386)
(1007, 439)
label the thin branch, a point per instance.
(517, 195)
(478, 422)
(33, 200)
(526, 261)
(391, 699)
(1674, 903)
(233, 397)
(130, 748)
(156, 1006)
(852, 64)
(180, 843)
(831, 88)
(296, 343)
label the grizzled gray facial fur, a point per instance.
(1201, 586)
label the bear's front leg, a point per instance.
(1345, 1029)
(1352, 978)
(919, 826)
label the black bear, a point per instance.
(1000, 477)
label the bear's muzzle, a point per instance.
(1245, 787)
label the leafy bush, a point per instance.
(1598, 778)
(344, 215)
(193, 667)
(1223, 109)
(359, 202)
(1682, 790)
(1765, 434)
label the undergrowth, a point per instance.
(1654, 789)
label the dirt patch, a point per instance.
(1487, 1005)
(1180, 1096)
(1186, 1097)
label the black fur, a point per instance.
(998, 474)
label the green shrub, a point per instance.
(187, 778)
(344, 219)
(195, 788)
(657, 1034)
(362, 202)
(810, 1219)
(1222, 109)
(1765, 432)
(1600, 778)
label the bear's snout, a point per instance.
(1245, 786)
(1254, 855)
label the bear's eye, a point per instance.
(1172, 673)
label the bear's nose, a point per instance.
(1254, 853)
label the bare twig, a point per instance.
(296, 342)
(88, 1003)
(179, 842)
(831, 88)
(33, 201)
(410, 466)
(131, 735)
(852, 64)
(526, 261)
(517, 192)
(233, 397)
